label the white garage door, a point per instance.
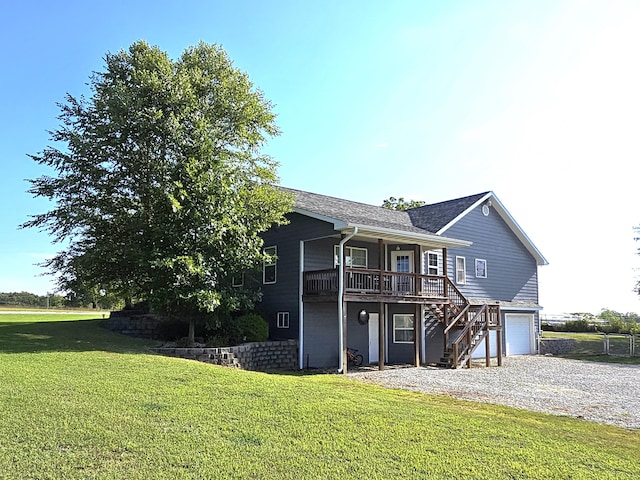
(518, 334)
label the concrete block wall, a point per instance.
(141, 326)
(256, 356)
(556, 346)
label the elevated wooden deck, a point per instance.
(365, 285)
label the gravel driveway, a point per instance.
(598, 392)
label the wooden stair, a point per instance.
(472, 325)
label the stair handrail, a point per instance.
(460, 301)
(456, 319)
(469, 350)
(458, 293)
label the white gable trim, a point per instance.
(507, 218)
(455, 220)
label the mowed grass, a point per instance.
(590, 347)
(77, 401)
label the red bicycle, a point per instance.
(354, 357)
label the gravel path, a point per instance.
(598, 392)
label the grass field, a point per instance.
(77, 401)
(589, 347)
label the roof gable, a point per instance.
(441, 216)
(437, 216)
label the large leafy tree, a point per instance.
(160, 188)
(393, 203)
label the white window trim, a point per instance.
(273, 263)
(404, 329)
(347, 252)
(461, 274)
(480, 261)
(282, 320)
(428, 265)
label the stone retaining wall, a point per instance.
(556, 346)
(141, 326)
(257, 356)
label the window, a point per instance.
(403, 329)
(283, 320)
(461, 271)
(481, 268)
(237, 280)
(356, 257)
(432, 263)
(269, 265)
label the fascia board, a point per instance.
(515, 309)
(338, 224)
(508, 219)
(409, 237)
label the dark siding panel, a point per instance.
(358, 335)
(283, 296)
(399, 352)
(319, 253)
(511, 270)
(321, 335)
(434, 340)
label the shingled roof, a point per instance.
(436, 216)
(425, 224)
(354, 212)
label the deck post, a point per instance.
(499, 336)
(417, 264)
(445, 267)
(445, 294)
(381, 334)
(381, 264)
(487, 347)
(416, 334)
(468, 347)
(345, 359)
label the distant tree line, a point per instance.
(607, 321)
(26, 299)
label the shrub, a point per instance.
(253, 328)
(581, 325)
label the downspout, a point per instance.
(341, 295)
(301, 309)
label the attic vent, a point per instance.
(485, 208)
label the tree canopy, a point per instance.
(393, 203)
(160, 188)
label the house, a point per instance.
(440, 283)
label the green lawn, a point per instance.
(77, 401)
(590, 347)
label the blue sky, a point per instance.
(536, 100)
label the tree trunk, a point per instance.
(191, 339)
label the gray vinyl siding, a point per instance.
(321, 340)
(357, 334)
(284, 295)
(512, 272)
(399, 352)
(318, 254)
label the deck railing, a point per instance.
(375, 282)
(476, 329)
